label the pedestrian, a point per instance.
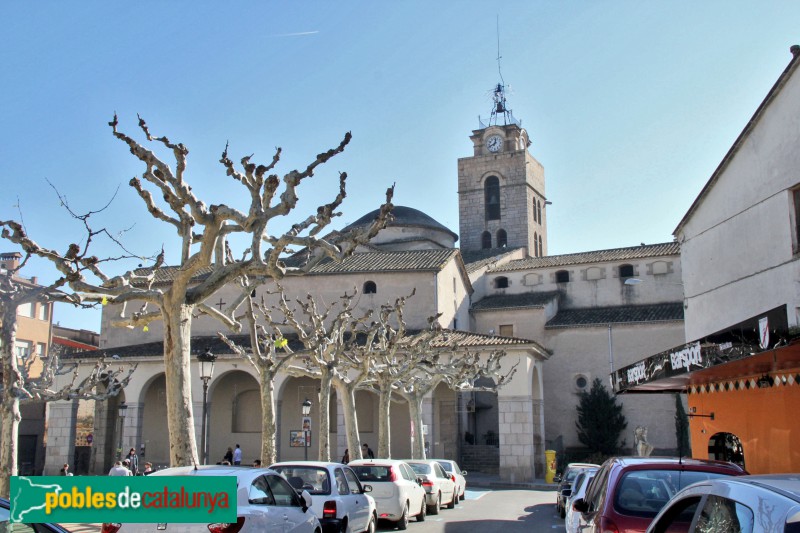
(133, 461)
(237, 455)
(65, 470)
(228, 456)
(257, 463)
(367, 452)
(119, 470)
(346, 456)
(148, 468)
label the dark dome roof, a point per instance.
(403, 216)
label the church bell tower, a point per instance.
(501, 197)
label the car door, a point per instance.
(448, 487)
(414, 491)
(263, 511)
(289, 506)
(357, 502)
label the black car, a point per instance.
(565, 484)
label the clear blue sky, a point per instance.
(630, 105)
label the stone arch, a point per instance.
(234, 415)
(155, 434)
(293, 391)
(481, 448)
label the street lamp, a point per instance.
(206, 363)
(306, 409)
(121, 409)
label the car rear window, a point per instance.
(313, 479)
(644, 492)
(373, 473)
(447, 466)
(420, 468)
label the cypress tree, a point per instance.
(600, 420)
(681, 428)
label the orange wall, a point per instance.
(766, 421)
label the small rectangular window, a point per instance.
(25, 310)
(43, 311)
(41, 350)
(22, 348)
(506, 330)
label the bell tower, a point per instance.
(501, 197)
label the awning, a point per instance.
(740, 350)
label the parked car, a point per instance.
(264, 501)
(456, 474)
(395, 487)
(582, 480)
(5, 513)
(753, 504)
(628, 492)
(338, 499)
(439, 488)
(565, 483)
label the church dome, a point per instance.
(410, 229)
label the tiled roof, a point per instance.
(511, 301)
(475, 259)
(599, 256)
(467, 339)
(432, 260)
(566, 318)
(379, 261)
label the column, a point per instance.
(516, 438)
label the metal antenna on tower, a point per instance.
(499, 93)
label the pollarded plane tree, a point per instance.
(46, 377)
(205, 264)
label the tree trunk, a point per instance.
(348, 397)
(324, 416)
(9, 407)
(415, 412)
(384, 426)
(268, 452)
(177, 359)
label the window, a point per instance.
(41, 350)
(22, 348)
(491, 198)
(506, 330)
(25, 310)
(486, 240)
(501, 282)
(539, 210)
(282, 492)
(625, 271)
(678, 517)
(535, 246)
(722, 514)
(341, 482)
(352, 481)
(541, 253)
(562, 276)
(259, 493)
(43, 311)
(535, 219)
(370, 287)
(502, 238)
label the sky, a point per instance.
(630, 106)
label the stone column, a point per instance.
(59, 430)
(538, 439)
(427, 420)
(132, 428)
(516, 438)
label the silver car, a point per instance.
(397, 491)
(752, 504)
(338, 498)
(456, 474)
(439, 488)
(264, 500)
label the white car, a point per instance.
(338, 499)
(439, 488)
(395, 487)
(456, 474)
(572, 521)
(264, 501)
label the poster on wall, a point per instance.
(296, 438)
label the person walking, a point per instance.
(367, 452)
(346, 456)
(133, 461)
(119, 470)
(237, 455)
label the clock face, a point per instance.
(494, 143)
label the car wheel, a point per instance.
(562, 512)
(452, 504)
(422, 512)
(402, 524)
(456, 499)
(437, 505)
(371, 525)
(463, 494)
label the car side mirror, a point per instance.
(306, 500)
(581, 505)
(463, 472)
(419, 481)
(566, 493)
(557, 479)
(367, 488)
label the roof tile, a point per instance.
(599, 256)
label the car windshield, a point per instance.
(644, 492)
(448, 467)
(571, 474)
(311, 478)
(372, 473)
(420, 468)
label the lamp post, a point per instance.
(205, 362)
(306, 409)
(121, 409)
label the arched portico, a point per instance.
(234, 415)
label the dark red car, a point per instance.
(628, 492)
